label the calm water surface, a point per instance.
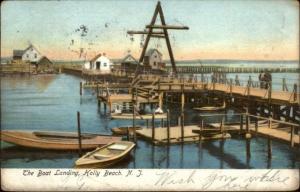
(51, 102)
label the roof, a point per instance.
(96, 57)
(127, 59)
(18, 53)
(44, 58)
(31, 46)
(151, 51)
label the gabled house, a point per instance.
(30, 54)
(153, 58)
(100, 63)
(129, 59)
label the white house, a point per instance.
(153, 58)
(100, 63)
(31, 54)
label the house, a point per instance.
(44, 64)
(128, 64)
(17, 54)
(30, 54)
(153, 58)
(129, 59)
(100, 63)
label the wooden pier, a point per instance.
(221, 69)
(267, 127)
(161, 136)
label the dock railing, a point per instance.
(294, 128)
(248, 123)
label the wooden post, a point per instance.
(247, 123)
(248, 148)
(168, 126)
(128, 134)
(80, 88)
(295, 92)
(153, 126)
(97, 89)
(270, 123)
(269, 98)
(161, 95)
(182, 115)
(147, 122)
(256, 126)
(241, 122)
(231, 87)
(222, 125)
(269, 148)
(79, 132)
(292, 135)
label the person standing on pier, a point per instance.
(261, 79)
(265, 79)
(268, 79)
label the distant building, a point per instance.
(17, 54)
(30, 54)
(128, 64)
(129, 59)
(44, 64)
(153, 58)
(100, 63)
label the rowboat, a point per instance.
(129, 116)
(211, 108)
(56, 140)
(105, 156)
(123, 130)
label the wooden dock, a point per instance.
(121, 98)
(161, 135)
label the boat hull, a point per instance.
(123, 130)
(29, 139)
(88, 161)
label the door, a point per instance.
(98, 65)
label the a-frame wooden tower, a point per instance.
(163, 33)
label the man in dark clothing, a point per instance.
(261, 79)
(268, 79)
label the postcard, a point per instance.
(193, 95)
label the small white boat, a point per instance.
(211, 108)
(105, 156)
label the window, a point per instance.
(104, 64)
(35, 55)
(154, 63)
(27, 55)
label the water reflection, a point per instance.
(28, 154)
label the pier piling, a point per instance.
(80, 88)
(153, 126)
(168, 126)
(79, 132)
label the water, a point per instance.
(51, 103)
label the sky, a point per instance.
(218, 29)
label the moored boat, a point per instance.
(211, 108)
(56, 140)
(123, 130)
(105, 156)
